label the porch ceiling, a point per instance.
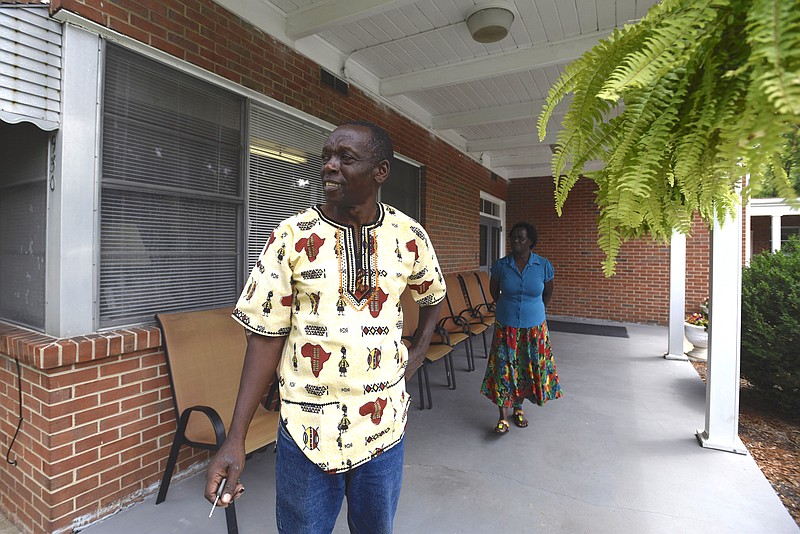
(419, 58)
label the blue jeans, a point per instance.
(309, 499)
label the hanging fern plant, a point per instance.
(679, 107)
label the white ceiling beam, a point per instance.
(518, 161)
(515, 141)
(554, 53)
(539, 169)
(464, 119)
(320, 17)
(522, 110)
(528, 172)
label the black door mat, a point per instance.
(587, 328)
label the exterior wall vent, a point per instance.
(331, 80)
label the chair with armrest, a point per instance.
(484, 281)
(475, 295)
(457, 331)
(438, 349)
(457, 301)
(205, 355)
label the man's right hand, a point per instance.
(260, 362)
(227, 463)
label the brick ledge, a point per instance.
(46, 352)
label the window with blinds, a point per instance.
(284, 173)
(171, 198)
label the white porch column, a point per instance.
(776, 232)
(748, 238)
(722, 372)
(677, 296)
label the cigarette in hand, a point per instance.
(220, 489)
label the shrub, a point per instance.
(771, 325)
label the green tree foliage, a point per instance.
(680, 106)
(791, 165)
(771, 324)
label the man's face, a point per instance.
(350, 175)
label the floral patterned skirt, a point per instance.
(520, 367)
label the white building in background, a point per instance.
(784, 221)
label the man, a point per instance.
(323, 306)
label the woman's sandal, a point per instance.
(502, 427)
(519, 419)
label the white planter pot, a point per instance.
(698, 337)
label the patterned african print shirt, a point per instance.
(341, 375)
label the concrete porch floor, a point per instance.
(616, 454)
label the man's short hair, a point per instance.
(380, 145)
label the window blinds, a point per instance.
(284, 173)
(171, 192)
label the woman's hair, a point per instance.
(530, 229)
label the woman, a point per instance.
(520, 363)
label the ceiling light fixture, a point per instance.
(489, 22)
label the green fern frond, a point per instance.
(668, 45)
(654, 208)
(584, 77)
(695, 131)
(676, 215)
(647, 121)
(610, 242)
(563, 184)
(782, 172)
(710, 92)
(779, 178)
(597, 140)
(773, 33)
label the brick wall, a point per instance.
(698, 264)
(638, 292)
(761, 232)
(98, 421)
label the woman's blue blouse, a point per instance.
(520, 304)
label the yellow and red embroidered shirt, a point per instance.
(336, 295)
